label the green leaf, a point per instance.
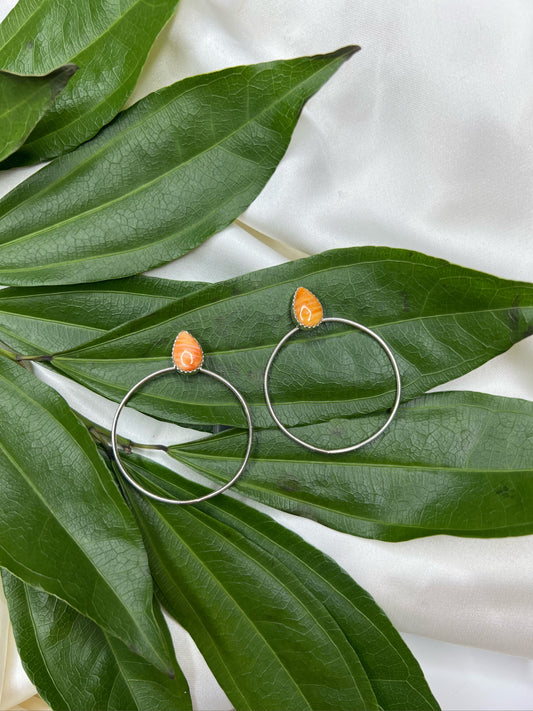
(455, 463)
(38, 320)
(108, 41)
(263, 605)
(439, 319)
(64, 527)
(169, 172)
(24, 100)
(75, 665)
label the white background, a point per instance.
(423, 140)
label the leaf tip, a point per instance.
(70, 68)
(337, 56)
(341, 55)
(350, 50)
(346, 52)
(65, 71)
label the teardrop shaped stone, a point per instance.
(187, 353)
(306, 308)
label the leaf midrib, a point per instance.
(315, 272)
(138, 248)
(269, 572)
(346, 514)
(36, 636)
(21, 27)
(62, 526)
(341, 594)
(329, 585)
(47, 187)
(258, 540)
(6, 331)
(183, 447)
(42, 319)
(50, 509)
(30, 17)
(414, 406)
(211, 403)
(121, 674)
(269, 346)
(368, 465)
(26, 100)
(92, 289)
(161, 176)
(216, 404)
(83, 118)
(156, 553)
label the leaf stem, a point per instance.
(102, 436)
(8, 354)
(44, 358)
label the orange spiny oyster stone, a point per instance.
(187, 353)
(306, 308)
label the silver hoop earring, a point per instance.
(188, 359)
(307, 313)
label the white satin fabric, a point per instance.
(423, 140)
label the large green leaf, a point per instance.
(24, 100)
(109, 41)
(178, 166)
(279, 623)
(40, 320)
(75, 665)
(455, 463)
(64, 527)
(440, 320)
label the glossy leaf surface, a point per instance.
(169, 172)
(109, 41)
(74, 665)
(39, 320)
(439, 319)
(23, 101)
(64, 527)
(455, 463)
(256, 597)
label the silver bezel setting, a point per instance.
(187, 372)
(294, 319)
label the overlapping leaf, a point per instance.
(75, 665)
(455, 463)
(279, 623)
(108, 41)
(64, 528)
(23, 101)
(41, 320)
(440, 320)
(178, 166)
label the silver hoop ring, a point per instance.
(353, 447)
(164, 499)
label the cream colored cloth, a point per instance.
(424, 140)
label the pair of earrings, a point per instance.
(188, 358)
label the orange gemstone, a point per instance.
(187, 353)
(306, 308)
